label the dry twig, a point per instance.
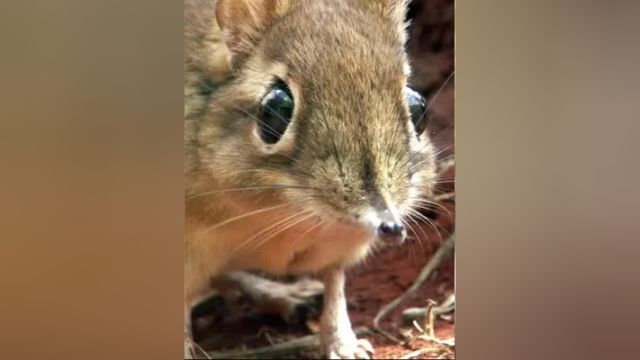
(414, 354)
(415, 313)
(282, 350)
(440, 255)
(444, 197)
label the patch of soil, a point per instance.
(387, 276)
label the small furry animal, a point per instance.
(310, 152)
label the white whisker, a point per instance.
(282, 229)
(236, 218)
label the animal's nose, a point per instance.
(391, 230)
(389, 227)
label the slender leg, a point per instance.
(338, 339)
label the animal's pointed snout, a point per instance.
(391, 228)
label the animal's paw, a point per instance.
(347, 347)
(302, 290)
(290, 300)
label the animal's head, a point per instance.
(319, 113)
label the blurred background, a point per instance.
(431, 49)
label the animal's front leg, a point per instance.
(338, 339)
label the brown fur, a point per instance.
(349, 148)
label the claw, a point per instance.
(366, 345)
(358, 349)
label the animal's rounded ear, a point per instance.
(244, 21)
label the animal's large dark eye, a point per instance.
(277, 109)
(418, 110)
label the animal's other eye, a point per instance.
(277, 109)
(418, 110)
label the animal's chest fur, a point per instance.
(303, 248)
(257, 245)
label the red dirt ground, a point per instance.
(375, 285)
